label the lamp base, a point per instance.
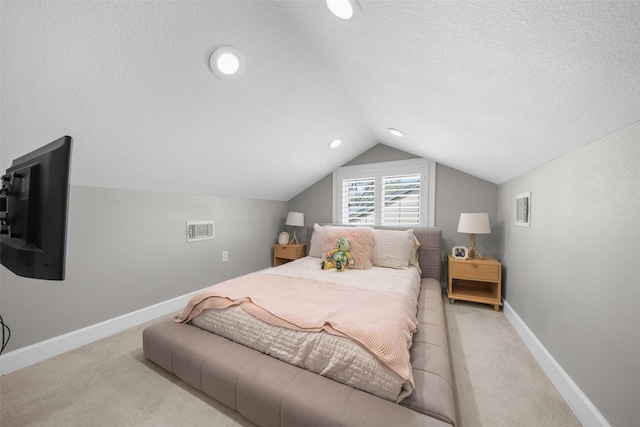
(473, 252)
(295, 238)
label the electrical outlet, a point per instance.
(225, 256)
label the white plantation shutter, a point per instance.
(358, 201)
(399, 193)
(401, 200)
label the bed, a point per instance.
(306, 371)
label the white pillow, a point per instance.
(317, 242)
(393, 248)
(414, 256)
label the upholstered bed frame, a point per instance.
(270, 392)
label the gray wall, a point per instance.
(316, 204)
(573, 277)
(456, 192)
(127, 250)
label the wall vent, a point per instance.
(523, 209)
(199, 230)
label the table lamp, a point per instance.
(295, 219)
(474, 223)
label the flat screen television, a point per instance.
(33, 212)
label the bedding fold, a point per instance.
(383, 322)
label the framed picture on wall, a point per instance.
(460, 252)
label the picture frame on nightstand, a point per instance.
(460, 252)
(283, 239)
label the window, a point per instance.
(358, 200)
(400, 193)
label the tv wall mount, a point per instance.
(8, 181)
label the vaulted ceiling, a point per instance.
(491, 88)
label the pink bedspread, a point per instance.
(381, 321)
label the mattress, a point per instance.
(335, 357)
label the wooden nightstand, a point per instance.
(282, 254)
(475, 280)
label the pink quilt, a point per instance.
(381, 321)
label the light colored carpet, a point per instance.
(109, 383)
(497, 381)
(106, 383)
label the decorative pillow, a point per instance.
(414, 257)
(316, 247)
(393, 248)
(361, 243)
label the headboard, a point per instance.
(430, 239)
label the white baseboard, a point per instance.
(27, 356)
(582, 407)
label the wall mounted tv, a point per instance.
(33, 212)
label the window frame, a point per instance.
(426, 168)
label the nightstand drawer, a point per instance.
(289, 251)
(475, 270)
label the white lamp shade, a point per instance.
(296, 219)
(474, 223)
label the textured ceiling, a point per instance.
(493, 89)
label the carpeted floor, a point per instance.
(109, 383)
(497, 381)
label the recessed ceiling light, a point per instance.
(345, 9)
(336, 142)
(227, 62)
(395, 132)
